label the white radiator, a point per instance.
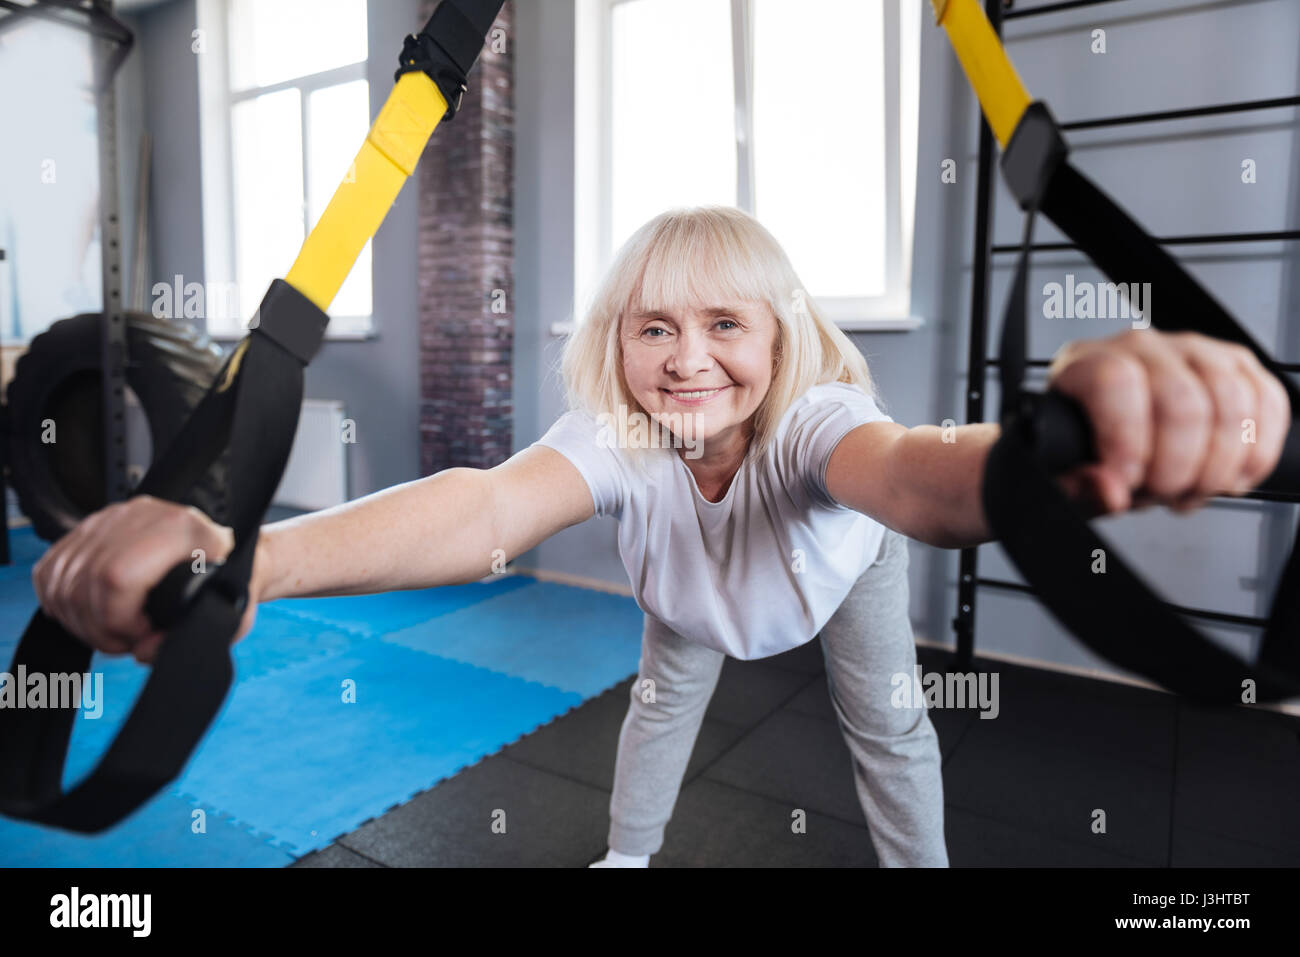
(317, 473)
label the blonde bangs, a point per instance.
(699, 261)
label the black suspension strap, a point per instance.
(252, 409)
(1113, 613)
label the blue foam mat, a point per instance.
(25, 547)
(311, 767)
(164, 833)
(443, 678)
(570, 638)
(375, 615)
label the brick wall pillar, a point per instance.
(466, 248)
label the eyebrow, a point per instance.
(708, 310)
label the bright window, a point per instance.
(663, 155)
(297, 108)
(800, 112)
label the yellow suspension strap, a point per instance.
(387, 157)
(250, 414)
(1116, 615)
(1001, 94)
(385, 160)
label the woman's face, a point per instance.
(705, 370)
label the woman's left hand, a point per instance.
(1178, 417)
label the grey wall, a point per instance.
(544, 199)
(1176, 177)
(171, 115)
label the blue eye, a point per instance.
(732, 321)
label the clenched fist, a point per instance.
(95, 579)
(1178, 418)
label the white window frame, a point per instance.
(593, 174)
(217, 100)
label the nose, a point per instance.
(690, 356)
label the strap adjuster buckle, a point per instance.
(1033, 153)
(445, 50)
(290, 320)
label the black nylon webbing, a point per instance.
(1114, 613)
(192, 672)
(1125, 252)
(252, 409)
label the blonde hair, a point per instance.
(698, 257)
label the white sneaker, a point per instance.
(614, 859)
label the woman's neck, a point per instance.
(719, 461)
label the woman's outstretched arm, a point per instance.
(922, 481)
(445, 529)
(1177, 419)
(449, 528)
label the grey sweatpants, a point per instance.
(895, 751)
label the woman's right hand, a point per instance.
(95, 579)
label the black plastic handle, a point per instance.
(169, 600)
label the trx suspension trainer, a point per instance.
(252, 409)
(1114, 614)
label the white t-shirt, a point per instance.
(759, 572)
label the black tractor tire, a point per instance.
(169, 368)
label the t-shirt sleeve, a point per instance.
(584, 441)
(816, 428)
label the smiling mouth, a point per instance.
(695, 395)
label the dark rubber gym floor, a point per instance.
(1179, 785)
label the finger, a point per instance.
(119, 588)
(61, 582)
(44, 577)
(1112, 388)
(39, 574)
(115, 620)
(1235, 401)
(75, 624)
(40, 579)
(1182, 413)
(139, 566)
(112, 646)
(51, 565)
(111, 593)
(1142, 500)
(82, 590)
(78, 597)
(78, 594)
(146, 650)
(1265, 437)
(97, 537)
(1109, 489)
(54, 577)
(1096, 490)
(1188, 503)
